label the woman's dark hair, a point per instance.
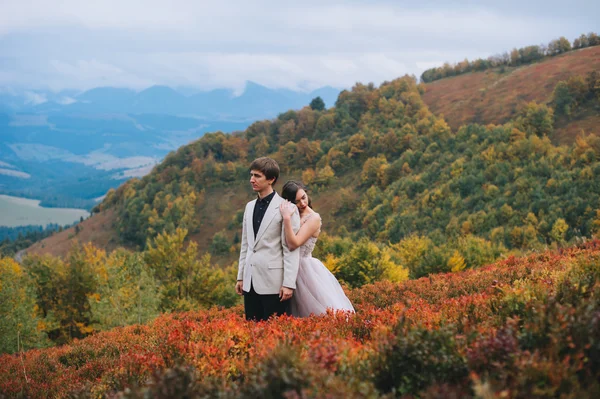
(290, 190)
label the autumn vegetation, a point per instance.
(47, 300)
(396, 172)
(450, 243)
(522, 327)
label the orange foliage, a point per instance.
(220, 343)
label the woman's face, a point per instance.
(301, 199)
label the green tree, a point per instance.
(186, 281)
(325, 125)
(220, 244)
(212, 284)
(558, 46)
(477, 251)
(536, 119)
(562, 99)
(317, 104)
(127, 292)
(581, 42)
(62, 290)
(77, 285)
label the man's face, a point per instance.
(259, 181)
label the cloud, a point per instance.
(210, 44)
(93, 73)
(14, 173)
(34, 98)
(6, 165)
(66, 100)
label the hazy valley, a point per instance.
(68, 150)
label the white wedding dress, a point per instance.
(316, 288)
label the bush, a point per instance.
(283, 374)
(416, 358)
(524, 327)
(178, 382)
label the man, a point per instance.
(267, 268)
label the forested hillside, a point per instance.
(382, 166)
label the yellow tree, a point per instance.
(559, 231)
(456, 263)
(324, 176)
(373, 170)
(174, 266)
(411, 250)
(19, 319)
(307, 152)
(357, 144)
(366, 263)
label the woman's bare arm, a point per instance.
(307, 230)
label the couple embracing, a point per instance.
(276, 273)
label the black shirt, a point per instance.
(259, 211)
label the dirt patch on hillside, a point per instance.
(98, 230)
(494, 97)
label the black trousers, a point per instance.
(261, 307)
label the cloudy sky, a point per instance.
(74, 44)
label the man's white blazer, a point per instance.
(266, 262)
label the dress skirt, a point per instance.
(317, 289)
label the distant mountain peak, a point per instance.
(106, 89)
(101, 94)
(160, 89)
(256, 101)
(253, 87)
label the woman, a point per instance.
(316, 288)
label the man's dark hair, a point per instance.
(267, 166)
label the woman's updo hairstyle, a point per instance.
(290, 190)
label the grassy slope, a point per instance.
(493, 97)
(97, 229)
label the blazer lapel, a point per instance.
(249, 225)
(269, 215)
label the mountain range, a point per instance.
(67, 148)
(255, 102)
